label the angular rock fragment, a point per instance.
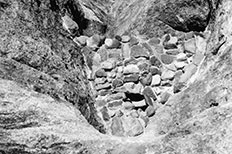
(149, 92)
(112, 43)
(139, 103)
(164, 97)
(155, 61)
(146, 79)
(150, 111)
(131, 69)
(138, 51)
(190, 46)
(100, 73)
(154, 41)
(156, 79)
(189, 71)
(125, 38)
(109, 64)
(155, 70)
(105, 114)
(167, 75)
(81, 40)
(166, 59)
(131, 78)
(117, 127)
(133, 41)
(117, 83)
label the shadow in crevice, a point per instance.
(78, 15)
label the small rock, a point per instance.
(112, 43)
(100, 80)
(169, 46)
(190, 46)
(104, 92)
(119, 113)
(100, 102)
(103, 86)
(117, 83)
(131, 69)
(138, 51)
(180, 64)
(181, 57)
(155, 70)
(100, 73)
(81, 40)
(155, 61)
(171, 67)
(148, 48)
(173, 40)
(96, 59)
(166, 83)
(117, 127)
(119, 69)
(154, 41)
(177, 87)
(125, 38)
(149, 92)
(115, 54)
(126, 50)
(131, 87)
(148, 100)
(119, 38)
(143, 66)
(133, 41)
(139, 103)
(150, 111)
(111, 74)
(167, 75)
(197, 58)
(156, 79)
(132, 126)
(189, 70)
(131, 78)
(105, 114)
(157, 90)
(166, 59)
(159, 49)
(93, 41)
(69, 24)
(134, 114)
(146, 79)
(116, 96)
(108, 65)
(102, 51)
(173, 52)
(178, 75)
(115, 104)
(164, 97)
(144, 120)
(128, 105)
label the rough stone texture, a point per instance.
(43, 87)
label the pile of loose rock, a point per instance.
(132, 77)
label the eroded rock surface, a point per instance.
(148, 83)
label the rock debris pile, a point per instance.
(132, 77)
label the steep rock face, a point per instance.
(35, 52)
(154, 18)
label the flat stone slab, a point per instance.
(131, 69)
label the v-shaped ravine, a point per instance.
(131, 77)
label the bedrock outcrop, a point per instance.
(53, 72)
